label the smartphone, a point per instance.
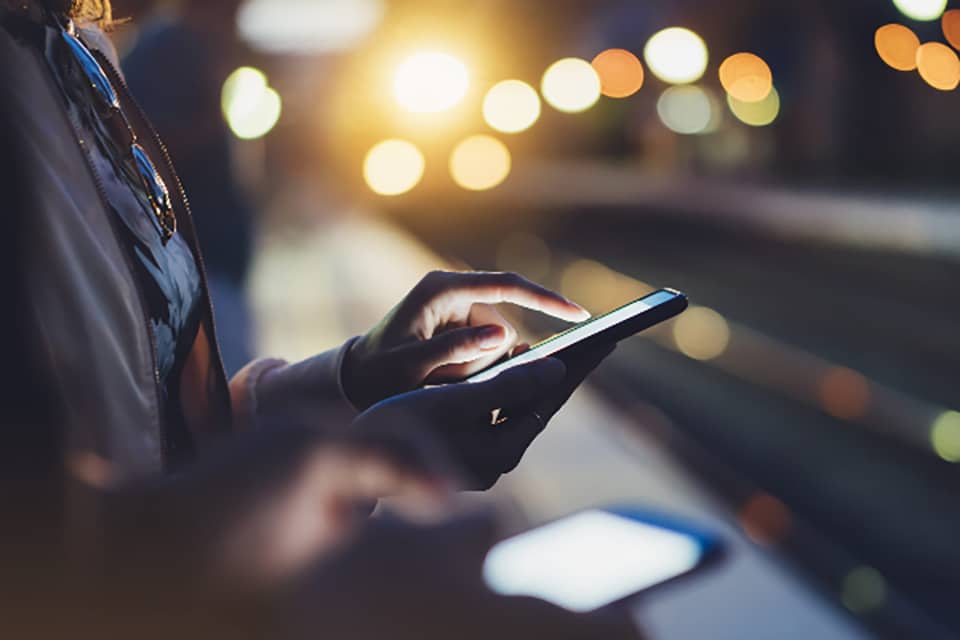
(598, 558)
(610, 328)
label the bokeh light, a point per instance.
(571, 85)
(746, 77)
(677, 55)
(756, 114)
(945, 436)
(431, 82)
(686, 109)
(844, 394)
(308, 26)
(480, 162)
(951, 27)
(765, 519)
(701, 333)
(393, 167)
(511, 106)
(250, 107)
(598, 287)
(897, 46)
(923, 10)
(939, 66)
(525, 254)
(621, 73)
(864, 590)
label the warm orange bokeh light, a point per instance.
(621, 73)
(844, 394)
(939, 66)
(951, 27)
(746, 77)
(765, 519)
(897, 46)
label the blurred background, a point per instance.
(791, 166)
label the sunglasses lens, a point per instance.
(92, 69)
(156, 189)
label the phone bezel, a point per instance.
(629, 327)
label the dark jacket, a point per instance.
(84, 295)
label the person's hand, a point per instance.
(409, 582)
(445, 330)
(256, 512)
(486, 427)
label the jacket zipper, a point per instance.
(105, 203)
(144, 122)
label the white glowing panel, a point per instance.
(589, 560)
(578, 333)
(308, 26)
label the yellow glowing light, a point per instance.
(431, 82)
(923, 10)
(945, 436)
(687, 110)
(393, 167)
(746, 77)
(897, 46)
(250, 107)
(939, 66)
(621, 73)
(480, 163)
(951, 27)
(701, 333)
(756, 114)
(677, 55)
(864, 590)
(511, 106)
(571, 85)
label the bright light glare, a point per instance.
(621, 73)
(393, 167)
(686, 109)
(951, 27)
(511, 106)
(938, 66)
(677, 55)
(701, 333)
(588, 560)
(756, 114)
(571, 85)
(923, 10)
(897, 46)
(746, 77)
(250, 107)
(431, 82)
(480, 163)
(308, 26)
(945, 436)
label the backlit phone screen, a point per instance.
(589, 560)
(575, 334)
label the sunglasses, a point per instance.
(109, 105)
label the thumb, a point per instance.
(453, 347)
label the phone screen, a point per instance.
(578, 333)
(591, 559)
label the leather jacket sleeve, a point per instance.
(271, 391)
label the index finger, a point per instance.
(510, 288)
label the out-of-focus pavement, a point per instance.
(315, 287)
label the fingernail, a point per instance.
(490, 337)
